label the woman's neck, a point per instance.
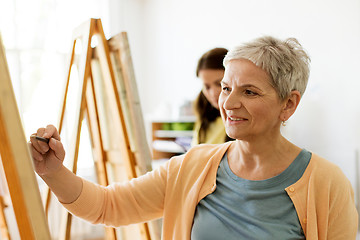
(261, 159)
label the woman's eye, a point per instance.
(250, 93)
(226, 89)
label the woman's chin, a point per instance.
(215, 106)
(233, 135)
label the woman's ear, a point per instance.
(290, 105)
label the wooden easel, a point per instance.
(125, 77)
(121, 60)
(4, 230)
(17, 163)
(87, 105)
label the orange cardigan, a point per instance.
(323, 197)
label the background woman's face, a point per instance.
(211, 80)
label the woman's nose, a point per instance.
(232, 101)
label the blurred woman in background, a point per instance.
(209, 128)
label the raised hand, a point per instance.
(47, 157)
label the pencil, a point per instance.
(42, 139)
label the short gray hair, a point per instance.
(286, 62)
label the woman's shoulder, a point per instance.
(208, 147)
(325, 172)
(200, 155)
(206, 151)
(323, 165)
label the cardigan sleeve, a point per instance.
(343, 217)
(138, 200)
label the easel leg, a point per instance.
(3, 224)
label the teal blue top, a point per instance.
(246, 209)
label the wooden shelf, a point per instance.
(189, 119)
(167, 146)
(163, 141)
(173, 134)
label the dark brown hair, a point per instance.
(212, 59)
(206, 113)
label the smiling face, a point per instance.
(249, 105)
(211, 79)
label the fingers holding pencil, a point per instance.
(47, 150)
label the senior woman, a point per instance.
(260, 186)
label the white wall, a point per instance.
(169, 37)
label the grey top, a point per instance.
(246, 209)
